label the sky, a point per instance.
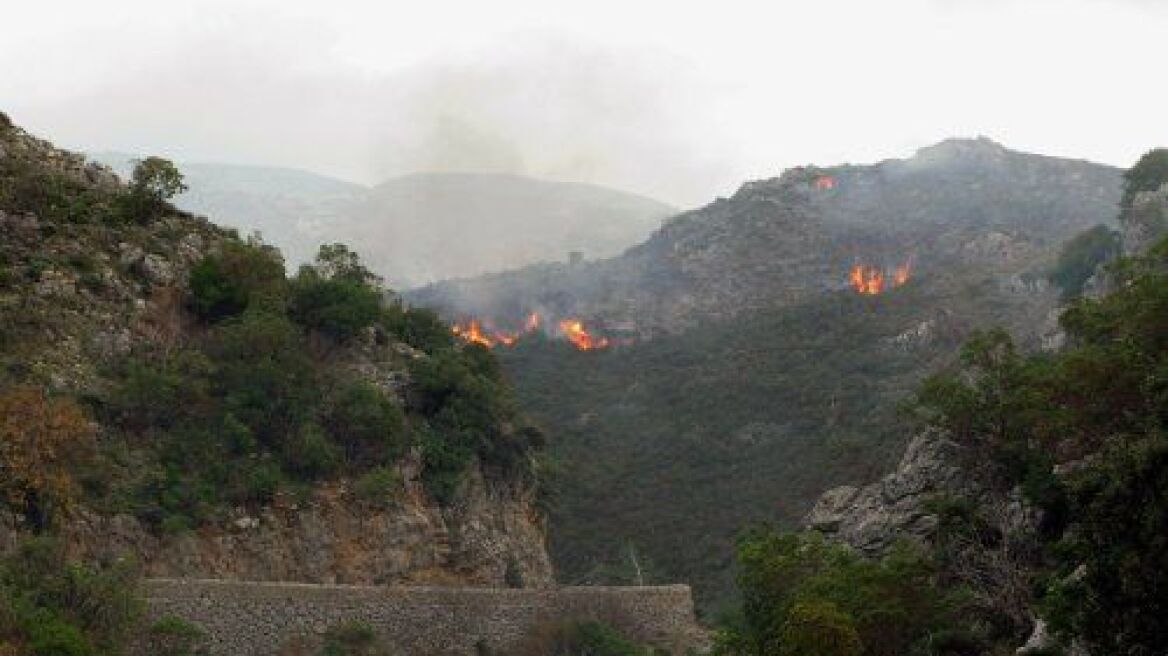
(678, 101)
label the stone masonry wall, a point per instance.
(256, 619)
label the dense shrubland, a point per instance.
(252, 382)
(255, 404)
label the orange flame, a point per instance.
(870, 280)
(867, 280)
(574, 332)
(824, 183)
(903, 272)
(473, 333)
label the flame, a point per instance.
(473, 333)
(867, 280)
(824, 183)
(574, 332)
(903, 272)
(870, 280)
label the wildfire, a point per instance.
(573, 330)
(824, 183)
(870, 280)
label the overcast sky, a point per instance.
(678, 102)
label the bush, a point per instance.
(352, 639)
(60, 608)
(172, 636)
(224, 285)
(803, 595)
(337, 296)
(1082, 256)
(583, 637)
(367, 424)
(379, 486)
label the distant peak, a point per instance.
(980, 147)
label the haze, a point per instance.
(677, 102)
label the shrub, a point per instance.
(337, 296)
(172, 636)
(818, 628)
(43, 440)
(224, 285)
(61, 608)
(352, 639)
(367, 424)
(379, 486)
(1082, 256)
(581, 637)
(421, 328)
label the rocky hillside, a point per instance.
(758, 375)
(183, 402)
(960, 203)
(419, 228)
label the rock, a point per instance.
(872, 518)
(1040, 640)
(156, 270)
(1145, 221)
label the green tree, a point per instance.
(153, 182)
(1148, 174)
(1082, 256)
(818, 628)
(336, 296)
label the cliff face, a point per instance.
(79, 292)
(486, 539)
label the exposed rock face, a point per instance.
(490, 537)
(1145, 221)
(873, 517)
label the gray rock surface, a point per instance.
(873, 517)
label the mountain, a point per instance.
(169, 395)
(446, 225)
(748, 373)
(786, 239)
(295, 210)
(419, 228)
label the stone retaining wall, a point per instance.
(256, 619)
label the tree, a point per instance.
(1081, 257)
(153, 182)
(42, 439)
(818, 628)
(1147, 175)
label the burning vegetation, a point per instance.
(873, 280)
(824, 183)
(571, 330)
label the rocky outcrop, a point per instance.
(491, 537)
(873, 517)
(1146, 221)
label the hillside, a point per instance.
(790, 238)
(169, 394)
(419, 228)
(758, 376)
